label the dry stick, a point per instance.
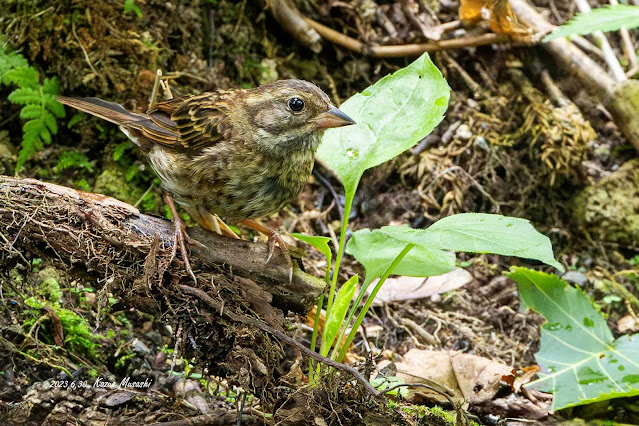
(294, 23)
(215, 305)
(628, 46)
(398, 51)
(588, 46)
(600, 37)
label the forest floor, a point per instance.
(504, 147)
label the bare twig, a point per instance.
(600, 37)
(398, 51)
(294, 23)
(628, 46)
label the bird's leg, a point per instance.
(179, 236)
(273, 239)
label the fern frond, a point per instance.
(22, 77)
(31, 111)
(607, 18)
(51, 86)
(10, 61)
(49, 120)
(54, 106)
(40, 105)
(25, 96)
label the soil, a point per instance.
(504, 147)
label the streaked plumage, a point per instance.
(240, 154)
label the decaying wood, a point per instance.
(105, 234)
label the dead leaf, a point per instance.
(410, 288)
(498, 12)
(469, 378)
(58, 332)
(627, 324)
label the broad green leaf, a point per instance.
(337, 314)
(376, 251)
(319, 242)
(481, 233)
(392, 115)
(581, 363)
(607, 18)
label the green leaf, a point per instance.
(392, 115)
(580, 361)
(376, 251)
(55, 107)
(481, 233)
(384, 383)
(24, 76)
(10, 61)
(73, 159)
(31, 111)
(51, 86)
(48, 119)
(607, 18)
(25, 96)
(120, 149)
(131, 8)
(319, 242)
(335, 319)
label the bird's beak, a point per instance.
(333, 118)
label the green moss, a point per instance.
(425, 415)
(114, 183)
(49, 285)
(609, 210)
(78, 337)
(124, 360)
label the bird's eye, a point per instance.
(296, 104)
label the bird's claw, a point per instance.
(180, 237)
(179, 240)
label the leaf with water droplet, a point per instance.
(481, 233)
(579, 358)
(392, 115)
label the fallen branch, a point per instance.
(402, 50)
(108, 235)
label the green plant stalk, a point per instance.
(351, 313)
(312, 376)
(370, 299)
(348, 203)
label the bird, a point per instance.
(238, 154)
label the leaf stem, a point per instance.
(370, 299)
(348, 203)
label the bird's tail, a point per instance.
(110, 111)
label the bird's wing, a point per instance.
(195, 122)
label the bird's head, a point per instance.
(291, 114)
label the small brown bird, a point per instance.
(239, 154)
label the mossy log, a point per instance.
(108, 236)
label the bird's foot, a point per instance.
(180, 237)
(274, 239)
